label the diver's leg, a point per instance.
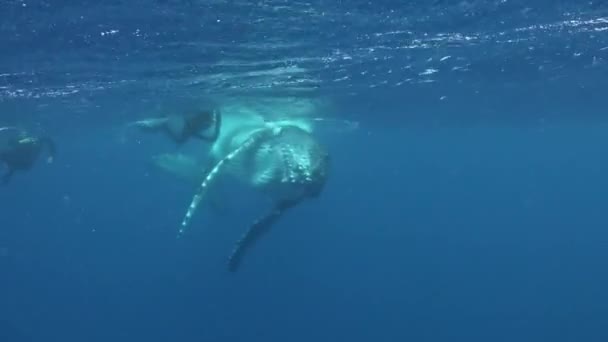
(151, 125)
(172, 126)
(258, 229)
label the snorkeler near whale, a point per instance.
(20, 149)
(281, 158)
(181, 128)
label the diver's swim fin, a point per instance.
(255, 231)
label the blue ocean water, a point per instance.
(466, 200)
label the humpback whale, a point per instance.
(280, 158)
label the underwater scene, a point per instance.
(213, 170)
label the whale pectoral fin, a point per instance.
(213, 173)
(258, 229)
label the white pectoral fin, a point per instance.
(181, 166)
(218, 169)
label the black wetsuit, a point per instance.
(21, 154)
(194, 125)
(201, 122)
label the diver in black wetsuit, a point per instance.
(181, 128)
(20, 152)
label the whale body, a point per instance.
(280, 158)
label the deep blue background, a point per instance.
(472, 207)
(452, 233)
